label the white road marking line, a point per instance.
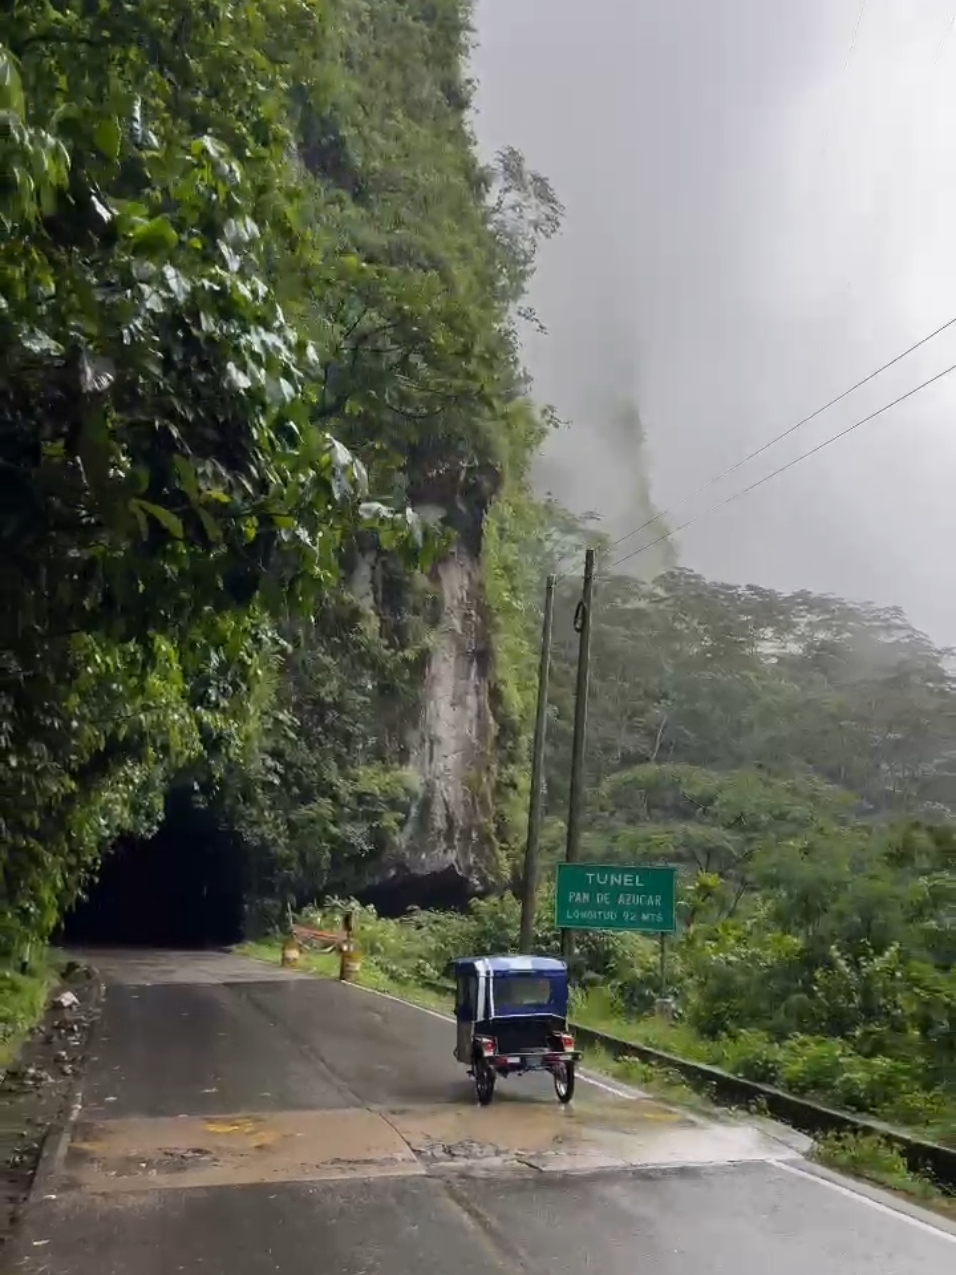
(865, 1199)
(389, 996)
(607, 1086)
(632, 1094)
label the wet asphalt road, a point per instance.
(210, 1049)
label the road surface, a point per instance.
(236, 1119)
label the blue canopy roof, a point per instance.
(512, 964)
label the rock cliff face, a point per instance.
(445, 844)
(447, 851)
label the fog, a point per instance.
(761, 209)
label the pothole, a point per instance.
(467, 1149)
(165, 1162)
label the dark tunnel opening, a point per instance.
(182, 888)
(446, 891)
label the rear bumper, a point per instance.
(537, 1061)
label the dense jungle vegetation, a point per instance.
(257, 298)
(794, 755)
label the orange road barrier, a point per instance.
(327, 939)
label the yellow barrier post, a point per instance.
(290, 951)
(350, 963)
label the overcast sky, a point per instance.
(761, 209)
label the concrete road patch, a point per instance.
(129, 1155)
(590, 1134)
(298, 1146)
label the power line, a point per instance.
(711, 482)
(856, 31)
(783, 468)
(758, 451)
(946, 41)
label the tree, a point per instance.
(163, 459)
(686, 670)
(259, 296)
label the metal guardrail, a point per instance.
(813, 1118)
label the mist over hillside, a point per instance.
(758, 208)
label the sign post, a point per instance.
(582, 626)
(663, 966)
(640, 899)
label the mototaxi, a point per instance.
(511, 1016)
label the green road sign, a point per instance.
(603, 896)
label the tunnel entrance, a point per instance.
(446, 891)
(183, 888)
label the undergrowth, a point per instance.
(876, 1160)
(23, 998)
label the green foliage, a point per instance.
(513, 567)
(418, 257)
(315, 796)
(156, 399)
(225, 236)
(791, 755)
(753, 1054)
(692, 672)
(23, 998)
(168, 481)
(867, 1156)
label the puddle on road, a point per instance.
(590, 1134)
(516, 1128)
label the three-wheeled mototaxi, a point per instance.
(512, 1017)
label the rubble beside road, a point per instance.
(37, 1088)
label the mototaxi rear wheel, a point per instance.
(564, 1080)
(485, 1078)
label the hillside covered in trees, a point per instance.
(263, 428)
(795, 756)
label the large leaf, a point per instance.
(156, 236)
(108, 137)
(165, 517)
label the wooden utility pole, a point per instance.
(530, 884)
(582, 626)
